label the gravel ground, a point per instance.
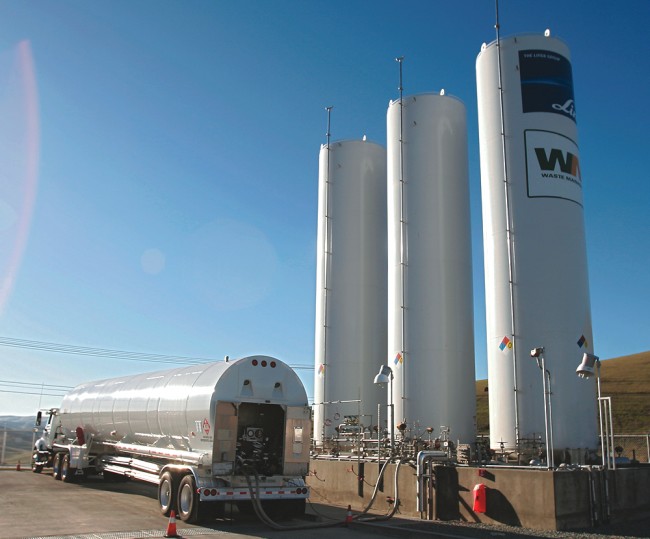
(414, 528)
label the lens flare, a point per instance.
(19, 154)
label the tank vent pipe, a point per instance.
(509, 238)
(403, 233)
(327, 247)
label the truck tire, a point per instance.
(187, 501)
(56, 466)
(67, 473)
(167, 489)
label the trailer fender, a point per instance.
(178, 470)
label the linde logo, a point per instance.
(546, 83)
(552, 166)
(568, 108)
(556, 163)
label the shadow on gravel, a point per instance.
(413, 529)
(639, 527)
(129, 487)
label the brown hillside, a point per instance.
(626, 379)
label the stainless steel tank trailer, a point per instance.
(200, 433)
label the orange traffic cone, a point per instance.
(348, 517)
(171, 527)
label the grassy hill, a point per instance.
(625, 379)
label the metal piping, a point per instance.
(551, 447)
(422, 457)
(403, 231)
(511, 269)
(328, 255)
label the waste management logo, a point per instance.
(552, 166)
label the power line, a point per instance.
(33, 393)
(100, 352)
(32, 388)
(34, 385)
(43, 346)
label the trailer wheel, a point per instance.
(56, 466)
(67, 473)
(187, 501)
(167, 493)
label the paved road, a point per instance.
(34, 505)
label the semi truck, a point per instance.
(229, 431)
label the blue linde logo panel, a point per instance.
(552, 166)
(546, 83)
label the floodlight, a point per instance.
(384, 376)
(586, 368)
(536, 352)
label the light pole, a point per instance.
(385, 376)
(586, 370)
(538, 354)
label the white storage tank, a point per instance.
(537, 291)
(430, 303)
(350, 336)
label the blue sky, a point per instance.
(177, 163)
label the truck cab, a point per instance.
(43, 453)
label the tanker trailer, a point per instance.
(200, 433)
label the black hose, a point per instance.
(374, 494)
(261, 514)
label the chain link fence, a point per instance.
(633, 446)
(16, 446)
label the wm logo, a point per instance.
(566, 161)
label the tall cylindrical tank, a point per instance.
(350, 337)
(430, 303)
(537, 291)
